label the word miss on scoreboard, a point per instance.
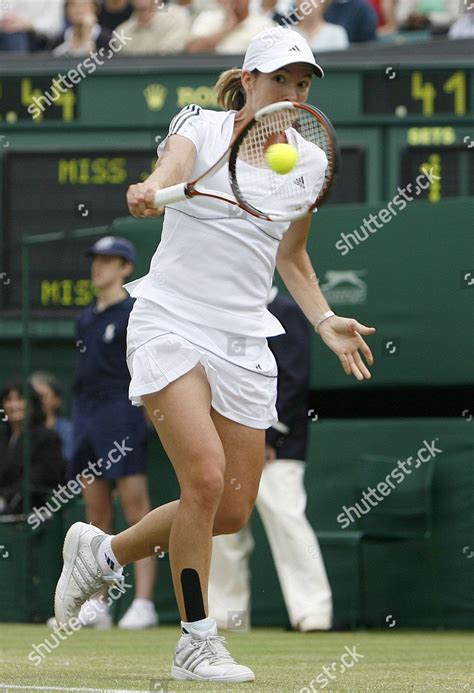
(66, 190)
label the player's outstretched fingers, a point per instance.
(354, 368)
(367, 353)
(345, 364)
(361, 365)
(362, 329)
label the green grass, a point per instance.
(405, 661)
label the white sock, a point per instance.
(106, 558)
(145, 602)
(203, 625)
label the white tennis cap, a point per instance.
(276, 47)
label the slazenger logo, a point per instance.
(345, 287)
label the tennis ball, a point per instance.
(281, 158)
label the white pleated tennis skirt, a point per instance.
(241, 370)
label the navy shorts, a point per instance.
(109, 441)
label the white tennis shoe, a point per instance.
(140, 614)
(81, 578)
(202, 656)
(95, 614)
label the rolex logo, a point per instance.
(155, 95)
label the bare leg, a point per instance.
(98, 500)
(218, 464)
(133, 491)
(147, 537)
(181, 415)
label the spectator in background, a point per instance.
(48, 389)
(416, 15)
(114, 12)
(321, 35)
(385, 10)
(386, 13)
(281, 499)
(269, 8)
(194, 7)
(27, 25)
(84, 35)
(463, 28)
(156, 28)
(46, 462)
(358, 18)
(228, 29)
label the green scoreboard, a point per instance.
(67, 157)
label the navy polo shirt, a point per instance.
(358, 18)
(102, 374)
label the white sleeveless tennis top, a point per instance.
(214, 264)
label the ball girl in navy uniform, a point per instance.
(110, 435)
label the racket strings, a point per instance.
(269, 192)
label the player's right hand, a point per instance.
(141, 200)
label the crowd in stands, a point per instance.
(50, 440)
(79, 27)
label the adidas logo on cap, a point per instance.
(299, 181)
(295, 48)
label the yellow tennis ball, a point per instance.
(282, 158)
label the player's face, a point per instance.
(14, 407)
(108, 270)
(290, 83)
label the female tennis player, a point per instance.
(198, 354)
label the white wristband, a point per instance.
(323, 317)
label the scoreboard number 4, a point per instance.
(427, 93)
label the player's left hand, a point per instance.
(343, 336)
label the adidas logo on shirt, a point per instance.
(300, 182)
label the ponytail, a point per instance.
(229, 89)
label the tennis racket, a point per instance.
(258, 189)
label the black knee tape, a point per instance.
(192, 595)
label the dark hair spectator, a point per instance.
(114, 12)
(416, 15)
(358, 18)
(49, 390)
(84, 35)
(27, 25)
(46, 462)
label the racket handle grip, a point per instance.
(175, 193)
